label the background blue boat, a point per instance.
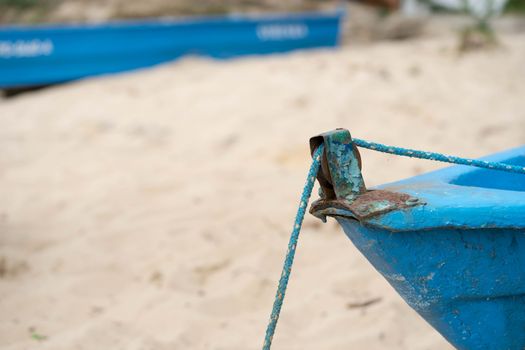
(40, 55)
(451, 242)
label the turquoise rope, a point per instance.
(292, 245)
(405, 152)
(307, 191)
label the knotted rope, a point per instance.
(307, 191)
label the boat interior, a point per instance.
(498, 180)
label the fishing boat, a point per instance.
(450, 242)
(47, 54)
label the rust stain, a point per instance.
(369, 204)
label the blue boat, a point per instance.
(451, 242)
(47, 54)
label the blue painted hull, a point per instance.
(470, 286)
(458, 257)
(41, 55)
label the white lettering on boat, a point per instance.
(26, 48)
(281, 31)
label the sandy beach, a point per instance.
(151, 210)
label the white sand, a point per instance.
(152, 210)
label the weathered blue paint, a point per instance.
(458, 257)
(463, 196)
(344, 165)
(36, 55)
(342, 185)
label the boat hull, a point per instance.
(468, 284)
(47, 54)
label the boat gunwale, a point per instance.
(179, 20)
(443, 205)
